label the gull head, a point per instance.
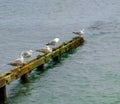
(31, 51)
(57, 39)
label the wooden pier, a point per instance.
(38, 62)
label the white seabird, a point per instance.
(27, 54)
(53, 42)
(18, 61)
(81, 32)
(45, 50)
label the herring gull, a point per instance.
(53, 42)
(27, 54)
(18, 61)
(81, 32)
(45, 49)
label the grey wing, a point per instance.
(51, 43)
(25, 53)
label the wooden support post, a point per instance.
(24, 78)
(3, 95)
(41, 67)
(56, 58)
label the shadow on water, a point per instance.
(18, 89)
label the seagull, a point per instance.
(81, 32)
(18, 61)
(53, 42)
(45, 49)
(27, 54)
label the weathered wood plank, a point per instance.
(38, 61)
(55, 53)
(2, 82)
(48, 57)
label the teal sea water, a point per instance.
(89, 74)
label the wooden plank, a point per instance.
(18, 72)
(23, 71)
(38, 61)
(56, 53)
(48, 57)
(62, 50)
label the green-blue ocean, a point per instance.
(89, 74)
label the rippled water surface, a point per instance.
(89, 74)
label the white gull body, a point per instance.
(27, 54)
(45, 50)
(81, 32)
(53, 42)
(18, 61)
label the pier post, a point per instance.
(24, 78)
(3, 95)
(56, 58)
(41, 67)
